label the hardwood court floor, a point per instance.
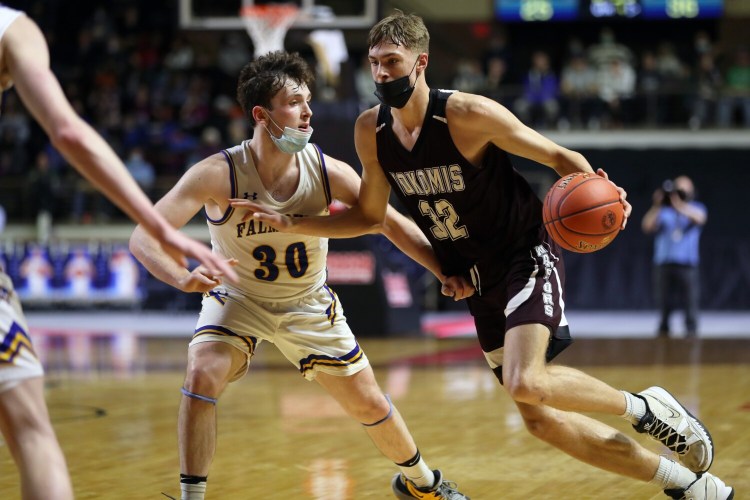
(281, 437)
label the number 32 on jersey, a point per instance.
(445, 220)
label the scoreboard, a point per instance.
(568, 10)
(537, 10)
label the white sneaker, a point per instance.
(706, 487)
(668, 422)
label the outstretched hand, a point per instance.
(278, 221)
(457, 287)
(201, 280)
(627, 208)
(179, 247)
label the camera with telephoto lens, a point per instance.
(668, 188)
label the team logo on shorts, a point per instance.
(549, 265)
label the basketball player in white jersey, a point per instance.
(24, 420)
(282, 296)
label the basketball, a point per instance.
(582, 212)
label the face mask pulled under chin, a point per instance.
(292, 140)
(396, 93)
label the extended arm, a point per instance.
(347, 187)
(367, 210)
(194, 190)
(27, 57)
(475, 122)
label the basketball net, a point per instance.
(267, 25)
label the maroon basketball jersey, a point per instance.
(471, 215)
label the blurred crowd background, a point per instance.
(163, 97)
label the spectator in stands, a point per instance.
(196, 107)
(210, 142)
(141, 169)
(15, 132)
(707, 83)
(669, 64)
(180, 56)
(650, 101)
(609, 49)
(364, 85)
(468, 77)
(539, 106)
(737, 90)
(616, 89)
(578, 87)
(674, 75)
(702, 45)
(233, 54)
(495, 79)
(677, 221)
(42, 189)
(497, 48)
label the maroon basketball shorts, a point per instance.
(529, 292)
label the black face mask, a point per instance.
(396, 93)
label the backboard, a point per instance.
(224, 14)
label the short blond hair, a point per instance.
(407, 30)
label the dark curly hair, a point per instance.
(262, 78)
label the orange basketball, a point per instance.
(582, 212)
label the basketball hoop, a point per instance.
(267, 25)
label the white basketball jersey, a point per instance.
(274, 266)
(7, 16)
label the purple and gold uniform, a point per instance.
(282, 296)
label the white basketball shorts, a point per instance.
(18, 360)
(310, 332)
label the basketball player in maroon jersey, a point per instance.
(24, 419)
(446, 156)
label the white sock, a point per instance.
(196, 491)
(671, 475)
(417, 471)
(635, 408)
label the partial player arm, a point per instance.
(367, 212)
(27, 56)
(199, 186)
(400, 230)
(477, 121)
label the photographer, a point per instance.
(677, 220)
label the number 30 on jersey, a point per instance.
(295, 259)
